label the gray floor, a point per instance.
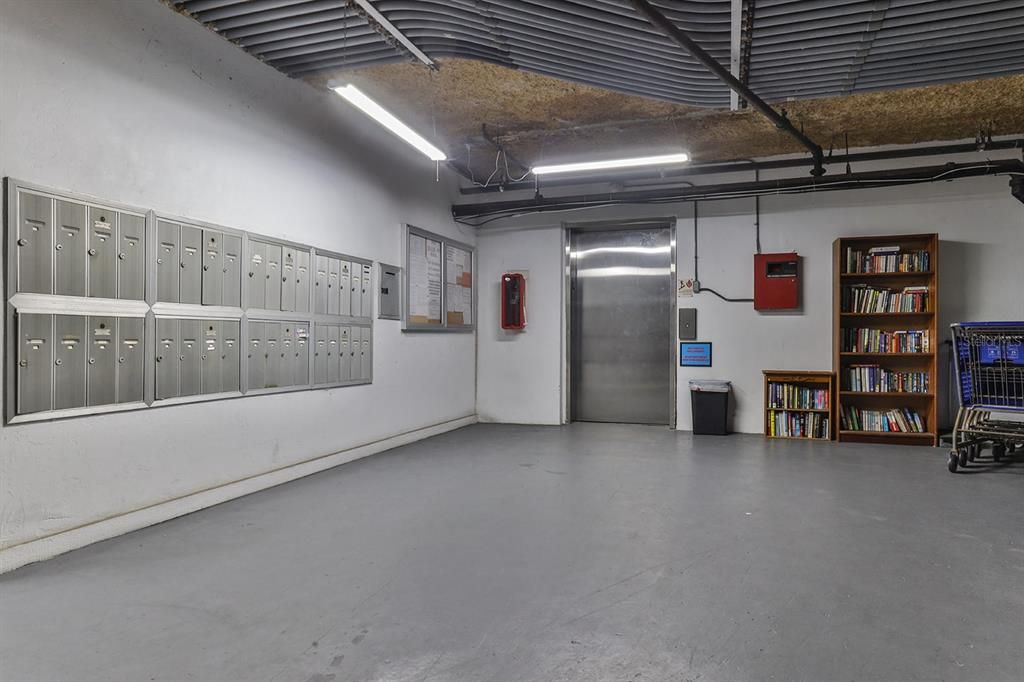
(593, 552)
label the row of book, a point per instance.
(857, 340)
(875, 379)
(887, 259)
(861, 298)
(898, 420)
(798, 425)
(793, 397)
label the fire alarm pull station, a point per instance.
(513, 301)
(776, 281)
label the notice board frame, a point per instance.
(442, 325)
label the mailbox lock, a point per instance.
(158, 358)
(123, 255)
(159, 261)
(120, 360)
(206, 268)
(92, 361)
(92, 252)
(182, 264)
(204, 356)
(59, 247)
(181, 358)
(22, 242)
(251, 274)
(58, 362)
(23, 363)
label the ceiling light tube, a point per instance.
(659, 160)
(358, 99)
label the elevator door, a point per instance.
(620, 332)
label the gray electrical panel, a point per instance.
(150, 309)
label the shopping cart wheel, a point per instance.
(954, 459)
(965, 454)
(998, 450)
(972, 453)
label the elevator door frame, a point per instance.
(668, 223)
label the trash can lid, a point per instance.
(712, 385)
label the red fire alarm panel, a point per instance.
(513, 301)
(776, 281)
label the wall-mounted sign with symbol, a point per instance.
(685, 288)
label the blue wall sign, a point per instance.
(695, 354)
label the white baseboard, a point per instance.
(75, 538)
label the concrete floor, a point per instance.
(592, 552)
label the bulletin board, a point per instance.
(439, 284)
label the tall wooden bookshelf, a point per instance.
(921, 364)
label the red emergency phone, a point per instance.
(513, 301)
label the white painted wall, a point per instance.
(130, 102)
(981, 263)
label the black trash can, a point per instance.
(709, 400)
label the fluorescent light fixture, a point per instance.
(659, 160)
(358, 99)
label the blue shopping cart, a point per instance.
(989, 359)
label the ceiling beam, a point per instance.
(374, 16)
(700, 54)
(735, 42)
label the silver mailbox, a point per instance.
(273, 297)
(190, 287)
(357, 290)
(131, 354)
(320, 286)
(168, 263)
(366, 290)
(229, 355)
(35, 244)
(272, 341)
(70, 249)
(288, 279)
(69, 361)
(210, 375)
(131, 257)
(302, 279)
(257, 274)
(333, 286)
(190, 357)
(333, 355)
(101, 376)
(345, 270)
(345, 345)
(166, 358)
(286, 370)
(213, 268)
(231, 290)
(301, 368)
(102, 253)
(257, 356)
(366, 357)
(320, 354)
(35, 363)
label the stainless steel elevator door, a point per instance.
(621, 320)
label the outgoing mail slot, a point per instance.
(229, 358)
(210, 376)
(131, 355)
(257, 356)
(213, 268)
(102, 253)
(131, 257)
(167, 262)
(167, 358)
(35, 363)
(190, 288)
(231, 294)
(320, 354)
(69, 361)
(345, 286)
(35, 247)
(257, 275)
(302, 277)
(70, 248)
(101, 375)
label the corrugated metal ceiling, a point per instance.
(797, 48)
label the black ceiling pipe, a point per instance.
(738, 190)
(781, 122)
(741, 166)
